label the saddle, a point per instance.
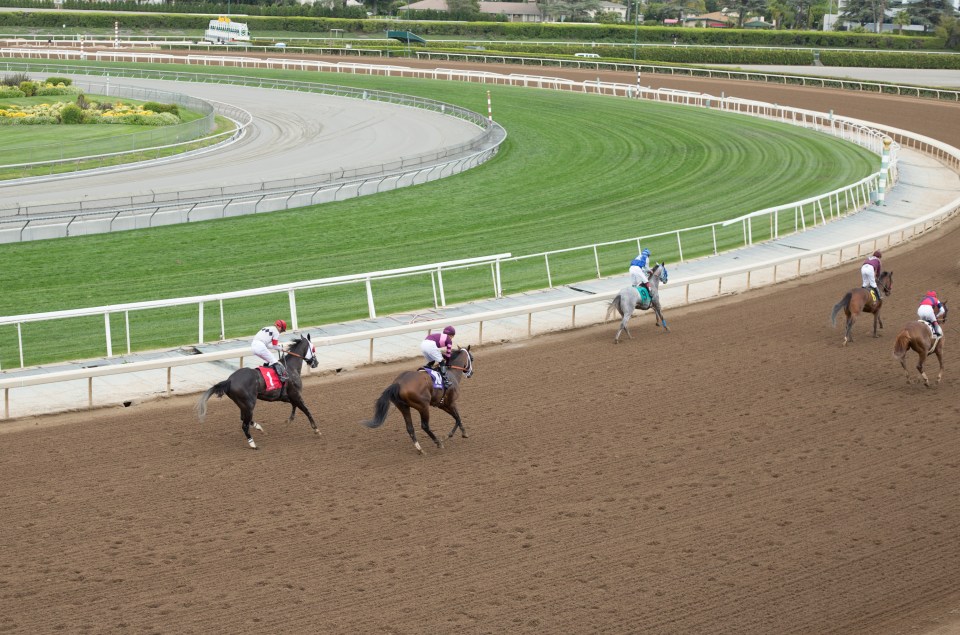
(435, 376)
(933, 334)
(645, 298)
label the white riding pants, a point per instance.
(260, 350)
(637, 275)
(431, 352)
(925, 313)
(869, 276)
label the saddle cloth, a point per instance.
(644, 298)
(435, 376)
(270, 378)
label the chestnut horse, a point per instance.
(916, 335)
(245, 386)
(414, 389)
(859, 301)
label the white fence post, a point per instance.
(372, 309)
(293, 309)
(200, 314)
(106, 328)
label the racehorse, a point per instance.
(414, 389)
(917, 335)
(858, 301)
(246, 385)
(628, 300)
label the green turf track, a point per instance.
(576, 169)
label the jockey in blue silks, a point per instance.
(639, 270)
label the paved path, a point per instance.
(925, 185)
(294, 135)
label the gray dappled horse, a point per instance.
(628, 300)
(245, 386)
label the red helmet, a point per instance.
(877, 254)
(449, 330)
(932, 294)
(280, 324)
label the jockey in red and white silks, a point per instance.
(930, 310)
(265, 342)
(870, 271)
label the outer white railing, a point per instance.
(290, 289)
(678, 293)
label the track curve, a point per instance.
(743, 474)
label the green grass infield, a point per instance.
(576, 169)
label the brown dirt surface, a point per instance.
(742, 474)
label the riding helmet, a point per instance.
(280, 324)
(450, 330)
(645, 252)
(877, 254)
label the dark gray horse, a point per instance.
(628, 300)
(246, 385)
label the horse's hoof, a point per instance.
(317, 432)
(253, 446)
(465, 435)
(257, 426)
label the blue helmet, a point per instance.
(645, 252)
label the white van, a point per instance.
(585, 55)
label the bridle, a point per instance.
(468, 368)
(886, 287)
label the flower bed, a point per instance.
(84, 112)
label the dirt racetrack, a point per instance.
(743, 474)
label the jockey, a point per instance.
(930, 310)
(639, 271)
(265, 342)
(437, 348)
(870, 271)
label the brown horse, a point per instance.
(414, 389)
(859, 301)
(916, 336)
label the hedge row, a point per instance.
(598, 33)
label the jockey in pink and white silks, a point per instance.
(437, 348)
(870, 271)
(931, 310)
(265, 342)
(639, 270)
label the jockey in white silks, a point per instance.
(931, 310)
(265, 342)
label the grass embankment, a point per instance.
(576, 169)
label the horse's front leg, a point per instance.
(939, 353)
(457, 421)
(246, 418)
(298, 403)
(660, 320)
(923, 357)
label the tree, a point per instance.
(902, 19)
(747, 7)
(949, 30)
(928, 13)
(464, 7)
(863, 11)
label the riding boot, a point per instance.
(281, 371)
(876, 291)
(443, 375)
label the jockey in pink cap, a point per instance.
(436, 349)
(931, 310)
(870, 271)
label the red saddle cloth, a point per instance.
(270, 378)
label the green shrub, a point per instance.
(29, 88)
(56, 90)
(10, 91)
(157, 107)
(71, 114)
(56, 81)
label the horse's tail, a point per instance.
(902, 345)
(614, 303)
(219, 390)
(842, 304)
(390, 395)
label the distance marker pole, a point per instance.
(489, 108)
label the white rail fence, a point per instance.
(680, 292)
(435, 271)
